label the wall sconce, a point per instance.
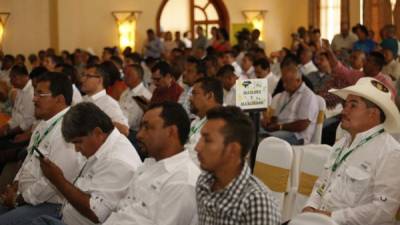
(3, 20)
(126, 21)
(256, 19)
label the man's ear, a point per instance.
(233, 150)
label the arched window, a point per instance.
(185, 15)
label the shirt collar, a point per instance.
(136, 90)
(361, 136)
(27, 86)
(98, 95)
(174, 161)
(107, 145)
(235, 186)
(58, 115)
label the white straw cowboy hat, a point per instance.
(376, 92)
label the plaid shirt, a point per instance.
(245, 201)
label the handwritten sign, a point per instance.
(252, 94)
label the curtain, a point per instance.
(377, 13)
(314, 13)
(345, 12)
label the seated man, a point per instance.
(31, 193)
(226, 192)
(166, 87)
(207, 93)
(94, 81)
(107, 173)
(135, 96)
(360, 182)
(163, 189)
(228, 78)
(22, 115)
(295, 110)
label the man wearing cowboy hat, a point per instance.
(360, 182)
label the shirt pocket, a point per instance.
(356, 181)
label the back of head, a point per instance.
(238, 127)
(173, 114)
(37, 71)
(82, 119)
(60, 84)
(70, 71)
(112, 71)
(214, 86)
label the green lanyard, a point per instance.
(194, 129)
(37, 139)
(339, 160)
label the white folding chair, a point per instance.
(310, 165)
(273, 167)
(312, 219)
(316, 138)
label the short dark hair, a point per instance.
(111, 71)
(200, 67)
(19, 70)
(60, 84)
(70, 71)
(117, 60)
(238, 127)
(213, 85)
(138, 68)
(377, 58)
(263, 63)
(82, 119)
(173, 114)
(37, 71)
(55, 59)
(226, 70)
(163, 67)
(135, 57)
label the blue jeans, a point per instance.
(46, 220)
(287, 136)
(26, 213)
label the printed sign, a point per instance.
(252, 94)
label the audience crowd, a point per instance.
(155, 137)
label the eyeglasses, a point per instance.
(90, 76)
(41, 95)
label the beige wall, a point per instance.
(27, 29)
(89, 23)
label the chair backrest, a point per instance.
(316, 138)
(308, 166)
(273, 163)
(311, 166)
(312, 219)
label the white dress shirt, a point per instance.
(301, 105)
(238, 69)
(184, 98)
(34, 187)
(162, 192)
(364, 189)
(129, 106)
(105, 177)
(76, 95)
(194, 137)
(23, 111)
(272, 81)
(230, 96)
(308, 68)
(108, 105)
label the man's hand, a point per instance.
(51, 171)
(272, 127)
(9, 196)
